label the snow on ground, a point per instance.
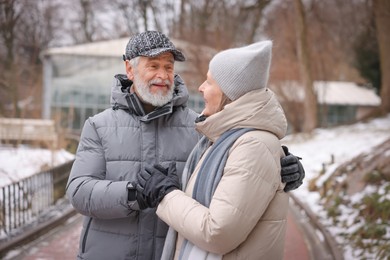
(343, 143)
(18, 163)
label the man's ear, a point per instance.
(129, 70)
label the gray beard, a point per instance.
(159, 99)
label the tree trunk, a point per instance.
(143, 5)
(9, 17)
(182, 17)
(382, 22)
(310, 101)
(86, 20)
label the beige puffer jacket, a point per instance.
(247, 215)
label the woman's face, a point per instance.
(212, 95)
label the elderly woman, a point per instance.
(233, 205)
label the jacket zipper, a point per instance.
(156, 123)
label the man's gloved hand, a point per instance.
(134, 195)
(156, 182)
(292, 170)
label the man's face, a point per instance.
(153, 78)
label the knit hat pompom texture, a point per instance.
(240, 70)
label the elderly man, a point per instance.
(148, 115)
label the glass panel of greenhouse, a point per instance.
(81, 87)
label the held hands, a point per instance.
(292, 170)
(156, 182)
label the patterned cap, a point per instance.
(151, 44)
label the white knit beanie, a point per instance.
(240, 70)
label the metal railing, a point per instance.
(23, 202)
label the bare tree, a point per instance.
(182, 17)
(215, 22)
(9, 18)
(27, 27)
(194, 22)
(382, 21)
(143, 15)
(86, 20)
(310, 102)
(127, 11)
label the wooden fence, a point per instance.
(16, 130)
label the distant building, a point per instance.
(77, 79)
(338, 102)
(344, 102)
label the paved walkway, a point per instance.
(295, 247)
(62, 243)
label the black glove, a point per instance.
(292, 170)
(156, 182)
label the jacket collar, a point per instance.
(258, 109)
(135, 106)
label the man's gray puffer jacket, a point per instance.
(114, 146)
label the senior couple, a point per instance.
(155, 180)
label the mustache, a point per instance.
(159, 81)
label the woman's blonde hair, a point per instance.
(224, 101)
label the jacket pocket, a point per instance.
(85, 236)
